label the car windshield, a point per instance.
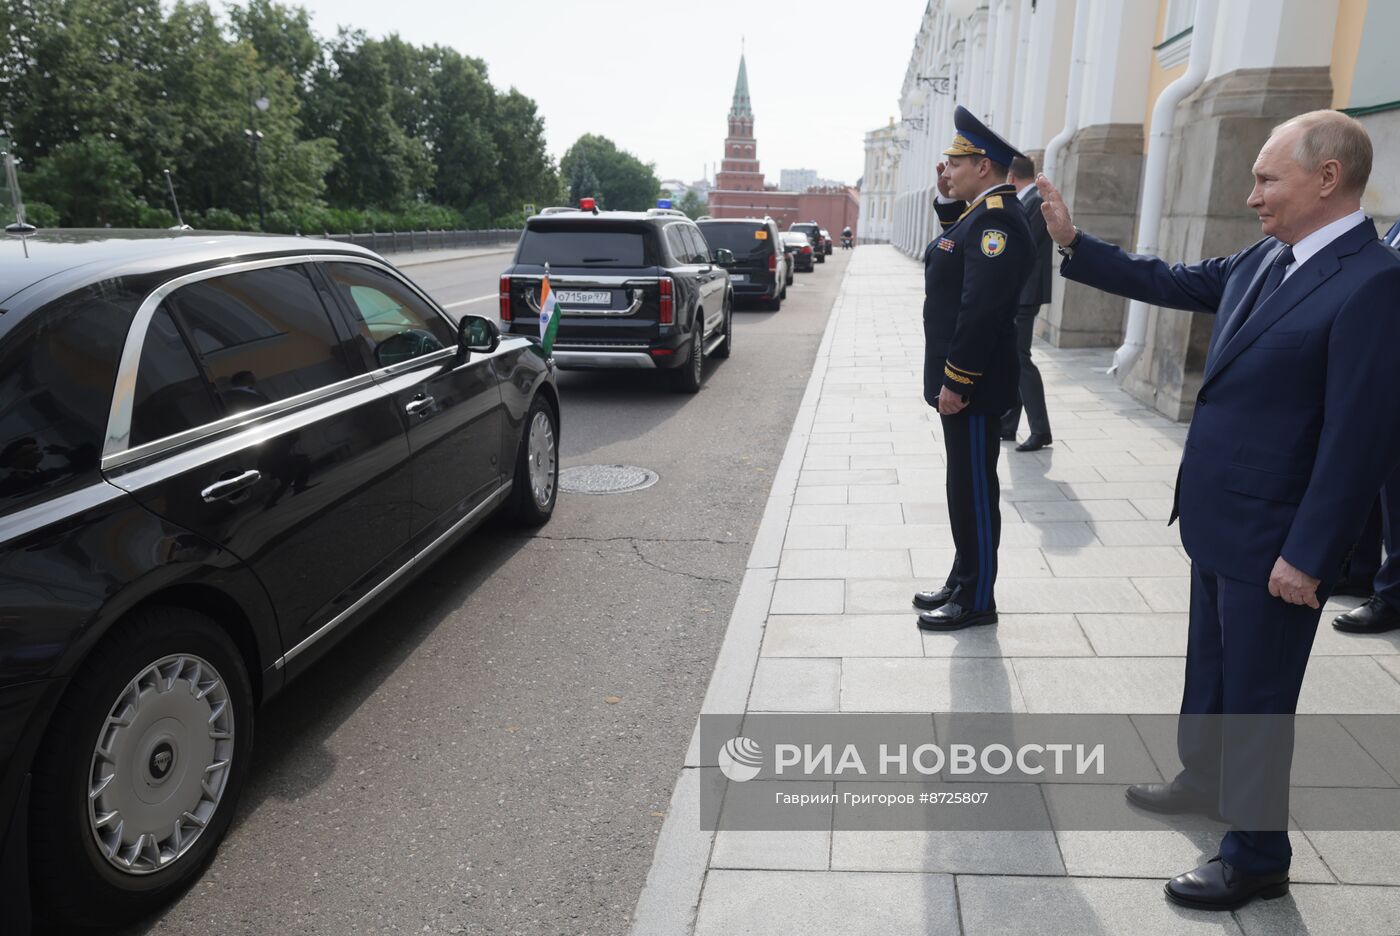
(795, 238)
(583, 247)
(745, 241)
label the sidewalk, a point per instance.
(1093, 596)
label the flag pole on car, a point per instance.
(549, 314)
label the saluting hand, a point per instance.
(1052, 206)
(942, 182)
(1293, 585)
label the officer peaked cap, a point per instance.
(974, 138)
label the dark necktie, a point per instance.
(1271, 282)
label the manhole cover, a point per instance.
(605, 479)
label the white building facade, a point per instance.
(878, 186)
(1074, 83)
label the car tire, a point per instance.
(783, 294)
(116, 731)
(688, 377)
(775, 303)
(536, 486)
(723, 349)
(821, 258)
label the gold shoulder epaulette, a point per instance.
(993, 201)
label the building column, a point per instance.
(1102, 166)
(1270, 62)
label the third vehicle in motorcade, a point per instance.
(826, 242)
(799, 250)
(760, 269)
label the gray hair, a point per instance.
(1329, 134)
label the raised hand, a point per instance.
(942, 182)
(1057, 221)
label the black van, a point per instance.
(760, 267)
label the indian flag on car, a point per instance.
(549, 315)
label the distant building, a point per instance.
(797, 180)
(879, 185)
(739, 191)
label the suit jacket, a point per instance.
(1295, 427)
(973, 275)
(1037, 289)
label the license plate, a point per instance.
(585, 297)
(739, 277)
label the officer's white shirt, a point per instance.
(1310, 246)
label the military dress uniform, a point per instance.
(973, 276)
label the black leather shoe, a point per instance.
(1215, 885)
(1376, 616)
(1171, 798)
(929, 601)
(953, 616)
(1036, 442)
(1008, 435)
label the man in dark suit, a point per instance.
(1034, 294)
(973, 274)
(1295, 428)
(1380, 580)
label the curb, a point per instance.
(670, 898)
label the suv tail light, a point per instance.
(806, 248)
(505, 300)
(668, 301)
(773, 262)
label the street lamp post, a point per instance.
(255, 137)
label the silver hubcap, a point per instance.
(542, 459)
(160, 764)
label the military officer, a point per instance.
(973, 275)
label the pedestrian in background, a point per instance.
(1034, 294)
(1296, 426)
(973, 274)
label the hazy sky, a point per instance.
(657, 77)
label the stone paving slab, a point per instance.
(1036, 906)
(783, 903)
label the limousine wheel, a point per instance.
(536, 486)
(138, 776)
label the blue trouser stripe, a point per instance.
(979, 500)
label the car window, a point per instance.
(600, 247)
(740, 239)
(699, 250)
(171, 394)
(260, 336)
(57, 369)
(676, 243)
(393, 323)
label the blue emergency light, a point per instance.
(663, 203)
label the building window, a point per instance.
(1175, 46)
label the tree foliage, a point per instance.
(620, 181)
(99, 97)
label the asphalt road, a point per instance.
(493, 753)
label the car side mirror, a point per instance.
(475, 333)
(724, 256)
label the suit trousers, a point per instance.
(1032, 388)
(1383, 526)
(1246, 655)
(972, 447)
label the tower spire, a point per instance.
(740, 107)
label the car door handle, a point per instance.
(230, 486)
(417, 405)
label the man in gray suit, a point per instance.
(1035, 294)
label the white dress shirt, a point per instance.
(1310, 246)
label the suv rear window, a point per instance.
(586, 248)
(738, 238)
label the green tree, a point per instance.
(89, 182)
(624, 182)
(691, 204)
(282, 37)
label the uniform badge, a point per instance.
(993, 242)
(946, 244)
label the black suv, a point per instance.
(813, 230)
(218, 453)
(760, 269)
(637, 289)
